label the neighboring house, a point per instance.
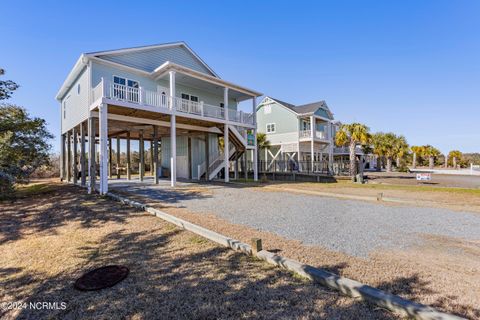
(301, 137)
(165, 94)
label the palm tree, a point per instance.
(262, 144)
(401, 148)
(389, 145)
(453, 156)
(389, 141)
(352, 135)
(417, 151)
(377, 142)
(431, 153)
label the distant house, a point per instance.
(301, 136)
(165, 94)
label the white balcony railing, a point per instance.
(305, 134)
(308, 134)
(155, 99)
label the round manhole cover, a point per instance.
(100, 278)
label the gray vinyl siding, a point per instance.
(285, 120)
(149, 60)
(100, 71)
(76, 104)
(322, 113)
(107, 72)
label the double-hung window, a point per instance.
(126, 89)
(270, 127)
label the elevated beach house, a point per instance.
(301, 137)
(165, 94)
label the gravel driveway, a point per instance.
(353, 227)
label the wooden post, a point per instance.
(69, 156)
(110, 164)
(226, 142)
(141, 166)
(103, 134)
(129, 165)
(155, 154)
(245, 164)
(189, 157)
(118, 157)
(236, 169)
(173, 131)
(75, 155)
(62, 158)
(256, 244)
(92, 167)
(207, 155)
(83, 158)
(152, 156)
(255, 149)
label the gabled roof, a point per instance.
(149, 61)
(305, 108)
(148, 58)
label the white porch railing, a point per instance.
(305, 133)
(308, 134)
(346, 150)
(97, 92)
(141, 96)
(321, 134)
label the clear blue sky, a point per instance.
(411, 67)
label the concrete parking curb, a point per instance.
(346, 286)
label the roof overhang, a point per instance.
(160, 71)
(77, 68)
(170, 66)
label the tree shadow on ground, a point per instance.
(165, 195)
(210, 283)
(175, 275)
(65, 203)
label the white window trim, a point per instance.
(274, 127)
(190, 96)
(126, 80)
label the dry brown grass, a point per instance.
(48, 240)
(442, 272)
(458, 199)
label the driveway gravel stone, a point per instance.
(349, 226)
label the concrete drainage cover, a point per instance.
(100, 278)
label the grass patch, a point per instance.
(198, 240)
(421, 188)
(33, 189)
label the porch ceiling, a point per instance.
(208, 86)
(120, 128)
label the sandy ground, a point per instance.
(49, 239)
(442, 272)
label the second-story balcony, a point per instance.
(307, 134)
(165, 103)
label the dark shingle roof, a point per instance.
(310, 107)
(305, 108)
